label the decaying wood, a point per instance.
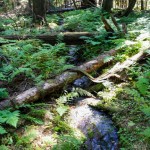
(116, 70)
(35, 93)
(66, 37)
(120, 67)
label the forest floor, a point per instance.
(28, 63)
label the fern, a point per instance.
(146, 111)
(2, 130)
(3, 93)
(76, 92)
(146, 133)
(32, 119)
(142, 85)
(8, 117)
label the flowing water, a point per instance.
(95, 125)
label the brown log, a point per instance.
(69, 38)
(35, 93)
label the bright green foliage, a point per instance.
(35, 113)
(33, 59)
(83, 20)
(3, 93)
(8, 117)
(62, 109)
(3, 147)
(146, 133)
(67, 142)
(76, 92)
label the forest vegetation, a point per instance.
(55, 53)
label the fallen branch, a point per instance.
(66, 37)
(116, 70)
(120, 67)
(35, 93)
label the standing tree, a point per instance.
(107, 5)
(130, 8)
(39, 11)
(142, 5)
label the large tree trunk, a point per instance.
(52, 85)
(130, 7)
(107, 5)
(69, 38)
(39, 11)
(142, 5)
(88, 3)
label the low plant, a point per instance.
(8, 117)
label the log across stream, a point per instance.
(95, 125)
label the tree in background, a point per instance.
(130, 7)
(107, 5)
(39, 11)
(142, 5)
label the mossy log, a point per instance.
(70, 38)
(37, 92)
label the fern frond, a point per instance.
(76, 92)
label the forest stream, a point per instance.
(97, 127)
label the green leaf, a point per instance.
(146, 111)
(108, 58)
(3, 147)
(131, 123)
(33, 119)
(2, 130)
(146, 133)
(142, 84)
(12, 118)
(62, 109)
(8, 117)
(3, 93)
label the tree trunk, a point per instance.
(69, 38)
(107, 5)
(36, 93)
(88, 3)
(130, 8)
(142, 5)
(39, 11)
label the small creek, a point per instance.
(95, 125)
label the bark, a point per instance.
(106, 25)
(130, 8)
(74, 3)
(115, 22)
(142, 5)
(88, 3)
(39, 11)
(36, 93)
(118, 69)
(107, 5)
(69, 38)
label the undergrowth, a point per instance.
(130, 108)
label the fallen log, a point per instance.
(35, 93)
(70, 38)
(117, 69)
